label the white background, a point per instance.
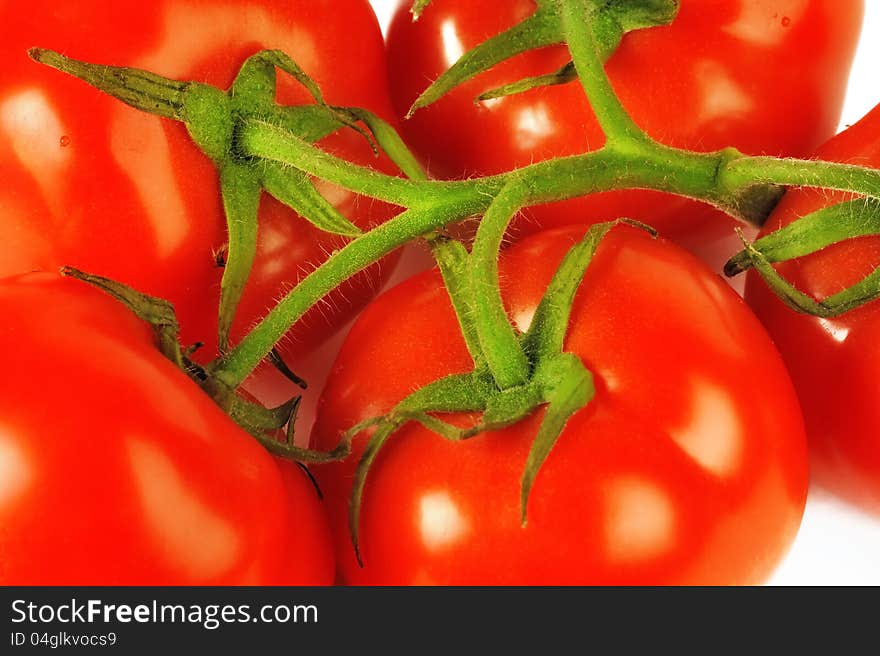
(837, 545)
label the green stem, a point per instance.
(664, 169)
(356, 256)
(262, 139)
(452, 259)
(616, 123)
(563, 75)
(743, 186)
(593, 172)
(747, 171)
(651, 166)
(499, 343)
(726, 179)
(812, 233)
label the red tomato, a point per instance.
(91, 183)
(834, 363)
(676, 472)
(766, 76)
(116, 469)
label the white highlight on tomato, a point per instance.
(140, 147)
(838, 332)
(765, 24)
(182, 525)
(722, 97)
(453, 48)
(641, 520)
(708, 316)
(277, 249)
(534, 124)
(713, 436)
(15, 475)
(37, 136)
(440, 521)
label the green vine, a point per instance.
(260, 147)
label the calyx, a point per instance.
(555, 379)
(213, 119)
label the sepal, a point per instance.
(806, 236)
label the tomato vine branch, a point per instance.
(726, 179)
(579, 21)
(499, 342)
(259, 146)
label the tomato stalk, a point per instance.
(812, 233)
(504, 356)
(453, 260)
(434, 205)
(755, 171)
(580, 18)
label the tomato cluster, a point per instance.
(689, 464)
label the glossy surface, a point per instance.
(677, 472)
(116, 469)
(766, 76)
(89, 182)
(835, 362)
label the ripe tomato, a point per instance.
(676, 472)
(91, 183)
(833, 362)
(116, 469)
(766, 76)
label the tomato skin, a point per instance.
(834, 363)
(115, 469)
(723, 74)
(91, 183)
(307, 550)
(623, 498)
